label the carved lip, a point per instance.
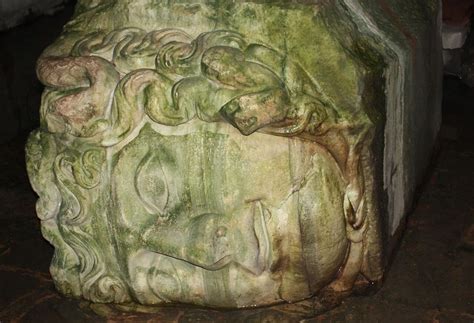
(255, 263)
(261, 233)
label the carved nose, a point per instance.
(221, 232)
(221, 244)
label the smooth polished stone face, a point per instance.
(191, 155)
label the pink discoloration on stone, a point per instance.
(84, 86)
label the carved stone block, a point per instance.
(226, 154)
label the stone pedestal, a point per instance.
(231, 154)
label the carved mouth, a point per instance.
(213, 241)
(258, 260)
(221, 263)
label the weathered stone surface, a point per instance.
(227, 154)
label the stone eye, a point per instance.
(151, 184)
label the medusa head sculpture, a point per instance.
(209, 170)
